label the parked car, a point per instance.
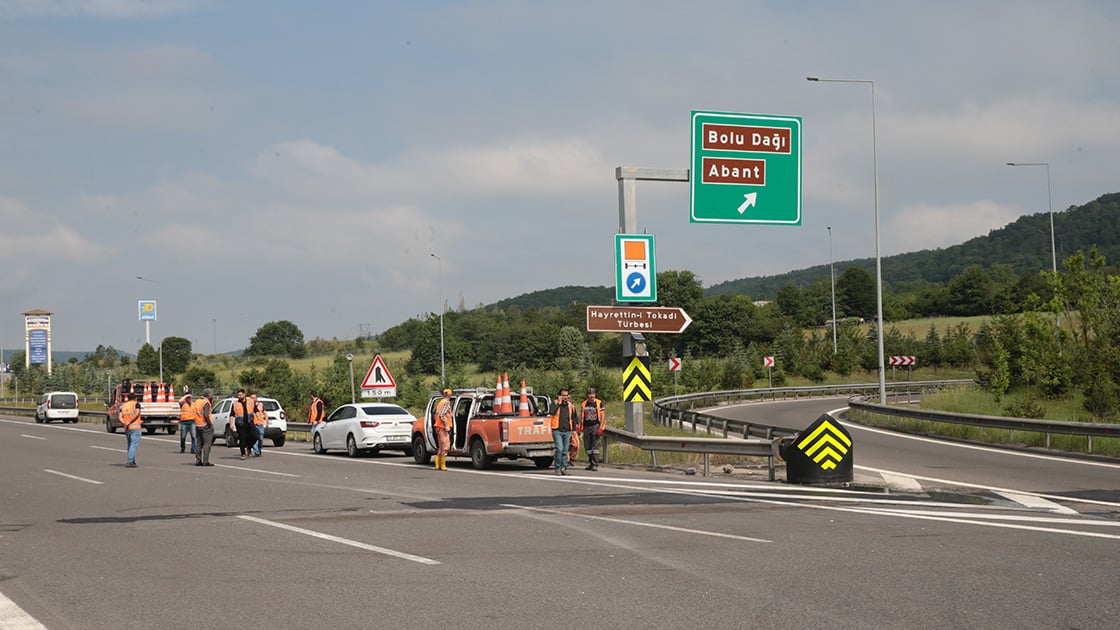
(57, 406)
(276, 430)
(359, 427)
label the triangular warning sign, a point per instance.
(378, 375)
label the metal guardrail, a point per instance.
(1088, 429)
(707, 446)
(30, 411)
(679, 410)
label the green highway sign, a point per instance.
(745, 168)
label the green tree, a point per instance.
(569, 348)
(176, 354)
(147, 360)
(855, 294)
(280, 339)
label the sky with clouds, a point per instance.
(255, 160)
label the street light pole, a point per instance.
(1050, 206)
(161, 360)
(878, 256)
(832, 277)
(442, 365)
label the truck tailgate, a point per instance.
(530, 430)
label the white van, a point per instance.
(57, 406)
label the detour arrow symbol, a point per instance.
(750, 201)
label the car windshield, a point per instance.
(64, 401)
(387, 410)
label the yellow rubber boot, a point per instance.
(443, 463)
(438, 458)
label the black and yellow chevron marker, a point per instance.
(636, 381)
(826, 445)
(822, 453)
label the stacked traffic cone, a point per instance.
(507, 400)
(147, 392)
(161, 394)
(523, 407)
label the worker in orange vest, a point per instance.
(205, 424)
(592, 421)
(260, 423)
(187, 422)
(443, 425)
(241, 415)
(316, 413)
(564, 421)
(130, 418)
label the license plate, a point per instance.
(396, 438)
(540, 453)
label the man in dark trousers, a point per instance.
(591, 419)
(205, 427)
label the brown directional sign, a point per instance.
(638, 319)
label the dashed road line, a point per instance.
(33, 437)
(12, 617)
(623, 521)
(344, 541)
(62, 474)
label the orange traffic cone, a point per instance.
(523, 407)
(147, 392)
(498, 396)
(171, 392)
(507, 400)
(161, 394)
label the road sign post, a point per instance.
(745, 168)
(378, 381)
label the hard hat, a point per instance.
(446, 392)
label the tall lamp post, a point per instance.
(832, 277)
(878, 257)
(442, 365)
(1050, 206)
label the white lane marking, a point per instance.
(1034, 501)
(12, 617)
(106, 448)
(637, 523)
(901, 482)
(256, 470)
(1051, 520)
(344, 541)
(33, 437)
(62, 474)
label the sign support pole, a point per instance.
(628, 177)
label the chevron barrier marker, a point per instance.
(636, 382)
(822, 453)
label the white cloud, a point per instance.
(922, 226)
(36, 238)
(109, 9)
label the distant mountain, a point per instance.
(559, 297)
(1024, 245)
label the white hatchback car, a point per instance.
(57, 406)
(359, 427)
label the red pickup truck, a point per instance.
(484, 435)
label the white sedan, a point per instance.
(359, 427)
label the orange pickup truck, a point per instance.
(484, 435)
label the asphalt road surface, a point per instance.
(296, 540)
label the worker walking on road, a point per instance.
(563, 421)
(592, 422)
(443, 424)
(186, 422)
(205, 425)
(130, 418)
(260, 422)
(241, 415)
(317, 412)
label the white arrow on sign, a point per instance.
(750, 198)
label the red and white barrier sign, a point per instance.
(768, 362)
(903, 360)
(674, 364)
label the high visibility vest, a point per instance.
(315, 414)
(202, 412)
(130, 415)
(187, 412)
(260, 416)
(572, 419)
(443, 415)
(239, 411)
(598, 412)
